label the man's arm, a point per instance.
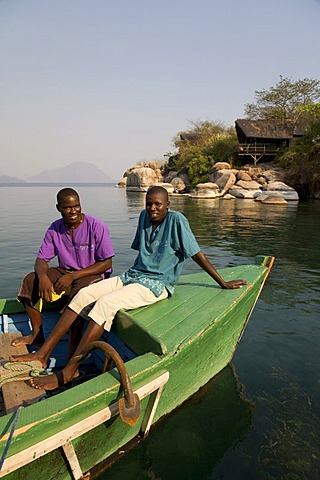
(45, 285)
(204, 263)
(96, 269)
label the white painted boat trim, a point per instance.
(64, 438)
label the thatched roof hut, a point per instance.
(266, 129)
(263, 138)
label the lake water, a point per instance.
(259, 418)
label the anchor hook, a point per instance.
(129, 405)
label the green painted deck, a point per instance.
(197, 302)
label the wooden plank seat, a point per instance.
(16, 393)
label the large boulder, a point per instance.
(251, 169)
(281, 189)
(205, 190)
(171, 175)
(178, 185)
(271, 199)
(220, 166)
(178, 179)
(183, 174)
(141, 178)
(167, 186)
(240, 192)
(248, 185)
(270, 170)
(225, 179)
(241, 175)
(261, 180)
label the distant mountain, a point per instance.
(76, 172)
(7, 179)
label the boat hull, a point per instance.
(164, 379)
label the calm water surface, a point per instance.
(259, 419)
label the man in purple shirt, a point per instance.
(84, 251)
(163, 240)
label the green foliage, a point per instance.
(302, 163)
(285, 101)
(200, 148)
(311, 109)
(312, 136)
(298, 102)
(198, 168)
(222, 148)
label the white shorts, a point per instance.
(110, 296)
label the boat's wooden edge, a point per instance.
(10, 305)
(64, 437)
(266, 260)
(103, 389)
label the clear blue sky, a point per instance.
(112, 83)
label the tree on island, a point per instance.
(298, 102)
(200, 147)
(288, 100)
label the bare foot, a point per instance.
(52, 382)
(31, 339)
(28, 357)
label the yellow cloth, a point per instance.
(55, 297)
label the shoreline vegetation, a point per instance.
(262, 183)
(193, 167)
(282, 128)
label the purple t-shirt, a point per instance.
(89, 244)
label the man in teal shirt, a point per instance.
(162, 250)
(164, 240)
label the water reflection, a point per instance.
(247, 228)
(233, 219)
(282, 336)
(189, 443)
(135, 200)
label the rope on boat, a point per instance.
(20, 371)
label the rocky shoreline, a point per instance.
(263, 183)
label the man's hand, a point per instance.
(45, 288)
(204, 263)
(234, 284)
(63, 283)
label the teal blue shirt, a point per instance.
(161, 252)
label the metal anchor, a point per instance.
(129, 405)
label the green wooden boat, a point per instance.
(169, 351)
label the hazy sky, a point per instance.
(112, 82)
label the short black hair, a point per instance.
(158, 189)
(66, 192)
